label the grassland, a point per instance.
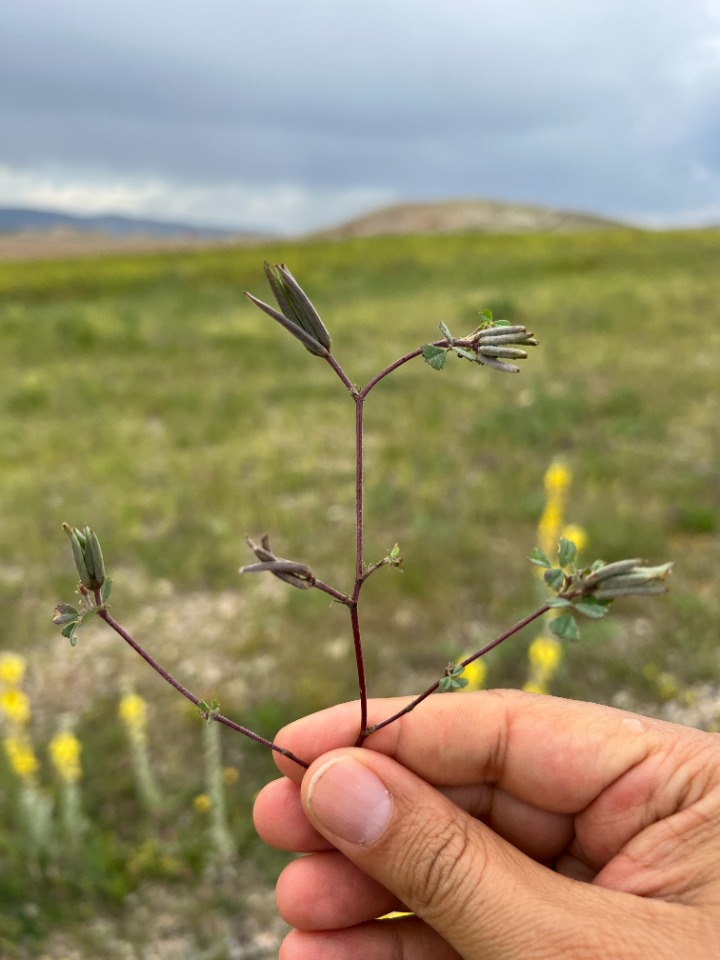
(146, 397)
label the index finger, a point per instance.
(555, 754)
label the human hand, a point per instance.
(514, 827)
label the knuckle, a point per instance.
(443, 875)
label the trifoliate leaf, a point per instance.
(567, 552)
(447, 684)
(435, 356)
(565, 627)
(538, 558)
(554, 578)
(486, 316)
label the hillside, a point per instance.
(27, 234)
(457, 216)
(19, 219)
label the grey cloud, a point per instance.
(605, 105)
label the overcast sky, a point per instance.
(288, 115)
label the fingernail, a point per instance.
(347, 798)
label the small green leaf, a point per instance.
(565, 627)
(65, 613)
(448, 684)
(69, 632)
(501, 323)
(486, 316)
(567, 552)
(554, 578)
(558, 602)
(539, 558)
(445, 330)
(592, 608)
(394, 553)
(107, 589)
(435, 356)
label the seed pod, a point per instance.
(93, 553)
(78, 556)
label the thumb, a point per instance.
(484, 897)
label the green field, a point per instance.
(146, 397)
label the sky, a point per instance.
(293, 115)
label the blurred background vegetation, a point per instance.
(146, 397)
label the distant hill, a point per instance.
(19, 220)
(456, 216)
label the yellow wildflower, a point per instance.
(202, 803)
(558, 478)
(533, 687)
(230, 776)
(549, 527)
(21, 756)
(15, 705)
(133, 712)
(12, 669)
(65, 754)
(577, 534)
(545, 654)
(475, 673)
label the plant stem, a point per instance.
(332, 592)
(111, 622)
(511, 631)
(357, 642)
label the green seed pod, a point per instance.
(78, 556)
(93, 555)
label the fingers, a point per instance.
(408, 938)
(554, 754)
(328, 892)
(482, 896)
(450, 870)
(280, 820)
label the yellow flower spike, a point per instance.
(12, 669)
(65, 749)
(21, 757)
(15, 706)
(577, 534)
(475, 673)
(545, 654)
(532, 686)
(202, 803)
(549, 528)
(133, 712)
(558, 478)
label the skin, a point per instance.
(519, 827)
